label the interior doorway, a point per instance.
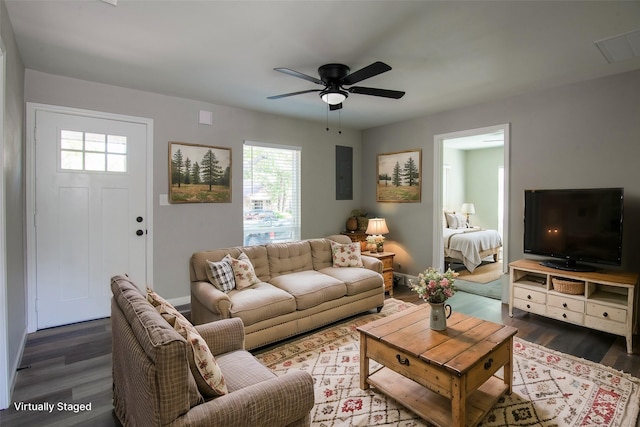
(450, 192)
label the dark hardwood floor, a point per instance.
(72, 364)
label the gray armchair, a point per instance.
(153, 385)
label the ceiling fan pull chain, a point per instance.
(327, 117)
(340, 122)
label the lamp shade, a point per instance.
(468, 208)
(377, 226)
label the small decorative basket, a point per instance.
(565, 286)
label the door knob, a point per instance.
(139, 232)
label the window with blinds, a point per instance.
(271, 193)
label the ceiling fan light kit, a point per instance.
(335, 76)
(333, 96)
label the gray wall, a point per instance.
(576, 136)
(180, 230)
(481, 185)
(14, 194)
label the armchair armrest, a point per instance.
(272, 403)
(211, 298)
(372, 263)
(223, 336)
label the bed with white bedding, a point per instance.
(470, 245)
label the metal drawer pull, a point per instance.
(564, 315)
(528, 306)
(528, 296)
(605, 314)
(488, 363)
(564, 304)
(402, 362)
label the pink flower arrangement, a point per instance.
(435, 287)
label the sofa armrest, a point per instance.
(272, 403)
(223, 336)
(372, 263)
(211, 298)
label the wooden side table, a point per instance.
(387, 268)
(356, 236)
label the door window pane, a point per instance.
(90, 151)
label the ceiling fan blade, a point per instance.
(386, 93)
(299, 75)
(366, 72)
(335, 107)
(284, 95)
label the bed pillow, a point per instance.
(456, 220)
(346, 255)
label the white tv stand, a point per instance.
(609, 302)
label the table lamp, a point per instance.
(468, 209)
(376, 228)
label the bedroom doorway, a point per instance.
(471, 167)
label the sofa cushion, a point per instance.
(321, 254)
(290, 257)
(346, 254)
(310, 288)
(243, 271)
(357, 280)
(243, 370)
(206, 372)
(259, 302)
(220, 274)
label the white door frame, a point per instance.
(32, 108)
(438, 253)
(7, 374)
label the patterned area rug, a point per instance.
(549, 388)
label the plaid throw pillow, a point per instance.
(221, 276)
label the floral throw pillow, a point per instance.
(203, 365)
(346, 254)
(243, 271)
(220, 274)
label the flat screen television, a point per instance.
(574, 225)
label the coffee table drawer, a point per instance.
(410, 367)
(488, 366)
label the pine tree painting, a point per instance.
(398, 177)
(199, 173)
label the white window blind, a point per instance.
(271, 193)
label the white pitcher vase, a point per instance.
(440, 312)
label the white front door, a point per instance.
(90, 203)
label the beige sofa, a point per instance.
(299, 289)
(153, 384)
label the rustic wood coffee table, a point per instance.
(446, 377)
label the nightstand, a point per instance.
(387, 268)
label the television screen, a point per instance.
(574, 225)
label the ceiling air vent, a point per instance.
(620, 48)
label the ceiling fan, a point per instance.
(335, 76)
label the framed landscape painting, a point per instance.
(199, 173)
(398, 177)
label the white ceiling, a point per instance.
(444, 54)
